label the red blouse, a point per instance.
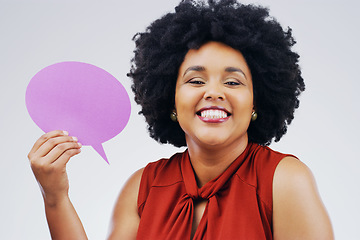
(239, 200)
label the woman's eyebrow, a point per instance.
(194, 68)
(234, 69)
(201, 69)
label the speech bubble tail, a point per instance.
(100, 150)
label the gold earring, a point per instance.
(173, 116)
(254, 116)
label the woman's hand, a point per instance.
(48, 159)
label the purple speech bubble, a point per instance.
(80, 98)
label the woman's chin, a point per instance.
(210, 141)
(214, 141)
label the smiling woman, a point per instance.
(220, 78)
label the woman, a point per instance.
(221, 79)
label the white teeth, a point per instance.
(212, 113)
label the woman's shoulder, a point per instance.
(261, 163)
(164, 171)
(125, 219)
(293, 177)
(297, 206)
(292, 167)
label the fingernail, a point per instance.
(80, 145)
(66, 133)
(75, 139)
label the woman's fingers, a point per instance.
(44, 138)
(59, 144)
(49, 147)
(63, 151)
(65, 157)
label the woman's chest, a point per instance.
(199, 209)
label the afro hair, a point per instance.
(266, 46)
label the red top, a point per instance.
(239, 200)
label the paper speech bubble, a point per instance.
(80, 98)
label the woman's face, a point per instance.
(214, 96)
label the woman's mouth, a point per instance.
(213, 115)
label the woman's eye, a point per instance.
(196, 81)
(232, 83)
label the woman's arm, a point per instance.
(298, 212)
(63, 221)
(125, 220)
(48, 159)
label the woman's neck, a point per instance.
(210, 161)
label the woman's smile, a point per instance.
(213, 114)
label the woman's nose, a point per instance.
(214, 92)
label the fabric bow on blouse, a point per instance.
(239, 201)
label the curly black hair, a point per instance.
(160, 50)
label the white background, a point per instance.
(35, 34)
